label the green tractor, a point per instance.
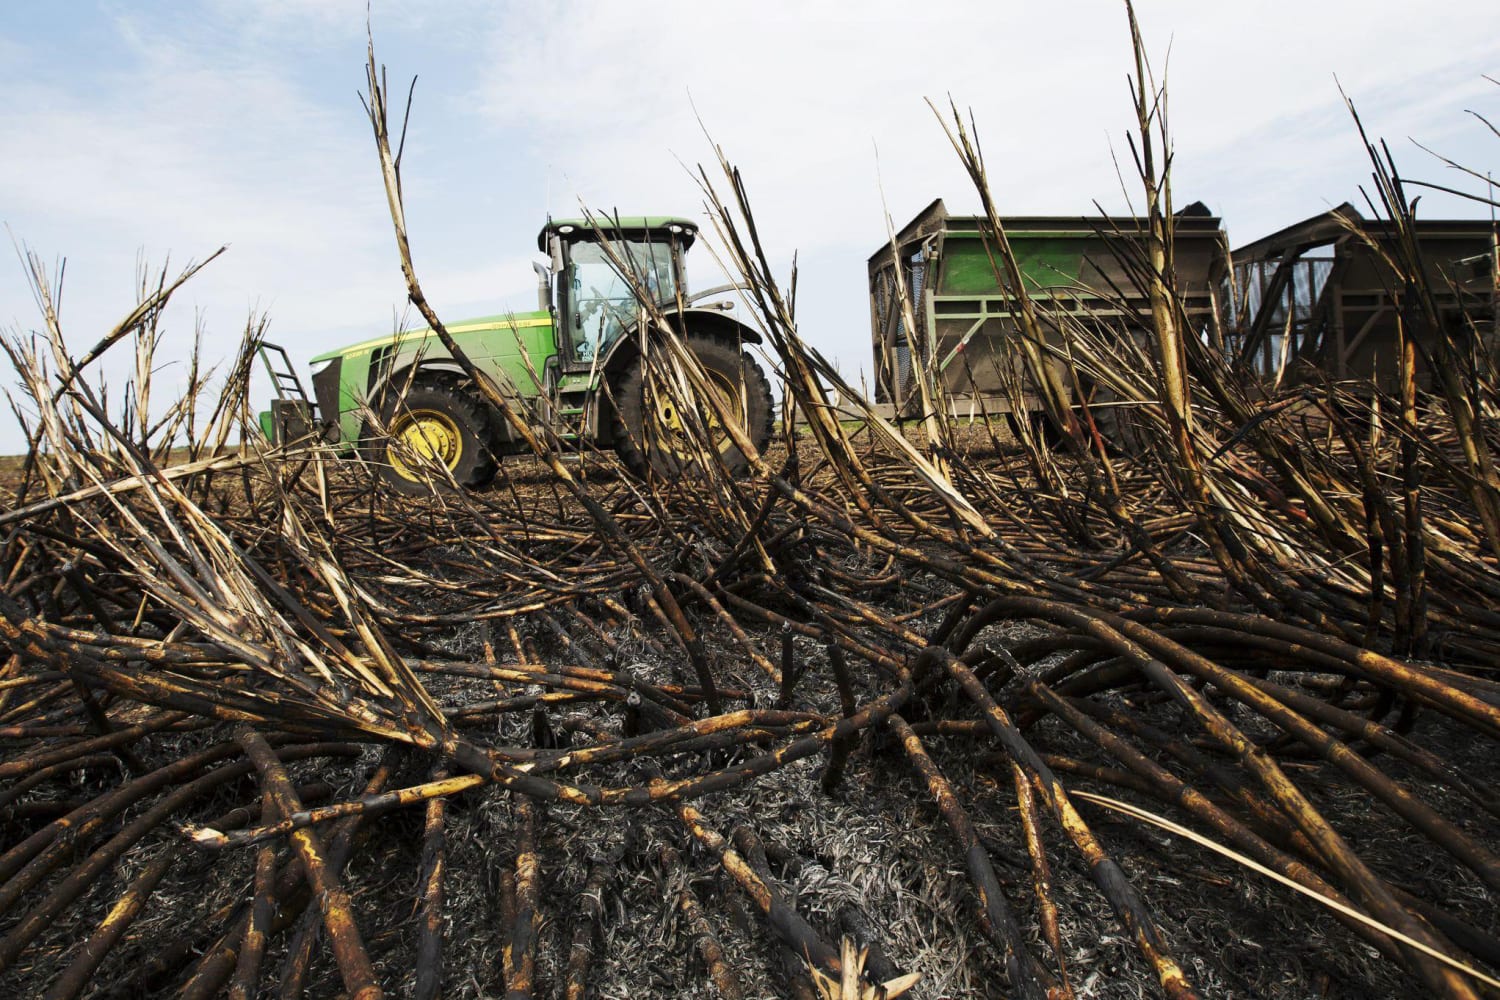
(577, 361)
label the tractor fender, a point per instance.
(713, 322)
(398, 378)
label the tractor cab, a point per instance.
(586, 287)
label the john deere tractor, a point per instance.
(577, 360)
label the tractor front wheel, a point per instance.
(650, 434)
(432, 424)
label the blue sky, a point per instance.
(159, 132)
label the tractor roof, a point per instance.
(618, 227)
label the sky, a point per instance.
(150, 134)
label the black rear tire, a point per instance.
(432, 420)
(666, 453)
(1119, 423)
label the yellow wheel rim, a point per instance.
(673, 434)
(419, 437)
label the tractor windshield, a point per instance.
(603, 300)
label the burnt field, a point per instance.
(1183, 687)
(577, 735)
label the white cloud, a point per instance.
(799, 94)
(174, 154)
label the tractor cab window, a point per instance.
(603, 301)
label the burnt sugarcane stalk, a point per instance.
(785, 922)
(98, 722)
(838, 752)
(857, 926)
(299, 953)
(1162, 784)
(798, 974)
(1362, 882)
(366, 806)
(1416, 812)
(253, 948)
(590, 912)
(1128, 905)
(70, 835)
(218, 960)
(519, 951)
(36, 778)
(80, 972)
(1262, 814)
(728, 621)
(704, 938)
(1382, 738)
(1027, 978)
(1041, 875)
(789, 672)
(429, 963)
(333, 901)
(122, 737)
(218, 953)
(1370, 665)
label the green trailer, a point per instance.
(966, 321)
(1320, 298)
(403, 401)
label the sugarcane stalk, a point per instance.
(1116, 887)
(784, 921)
(518, 952)
(78, 975)
(704, 938)
(37, 856)
(1041, 875)
(1332, 847)
(366, 806)
(299, 952)
(253, 948)
(333, 901)
(1027, 978)
(586, 928)
(429, 960)
(838, 752)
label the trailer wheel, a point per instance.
(1119, 422)
(650, 436)
(433, 422)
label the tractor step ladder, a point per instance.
(293, 414)
(283, 375)
(570, 417)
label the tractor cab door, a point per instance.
(599, 301)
